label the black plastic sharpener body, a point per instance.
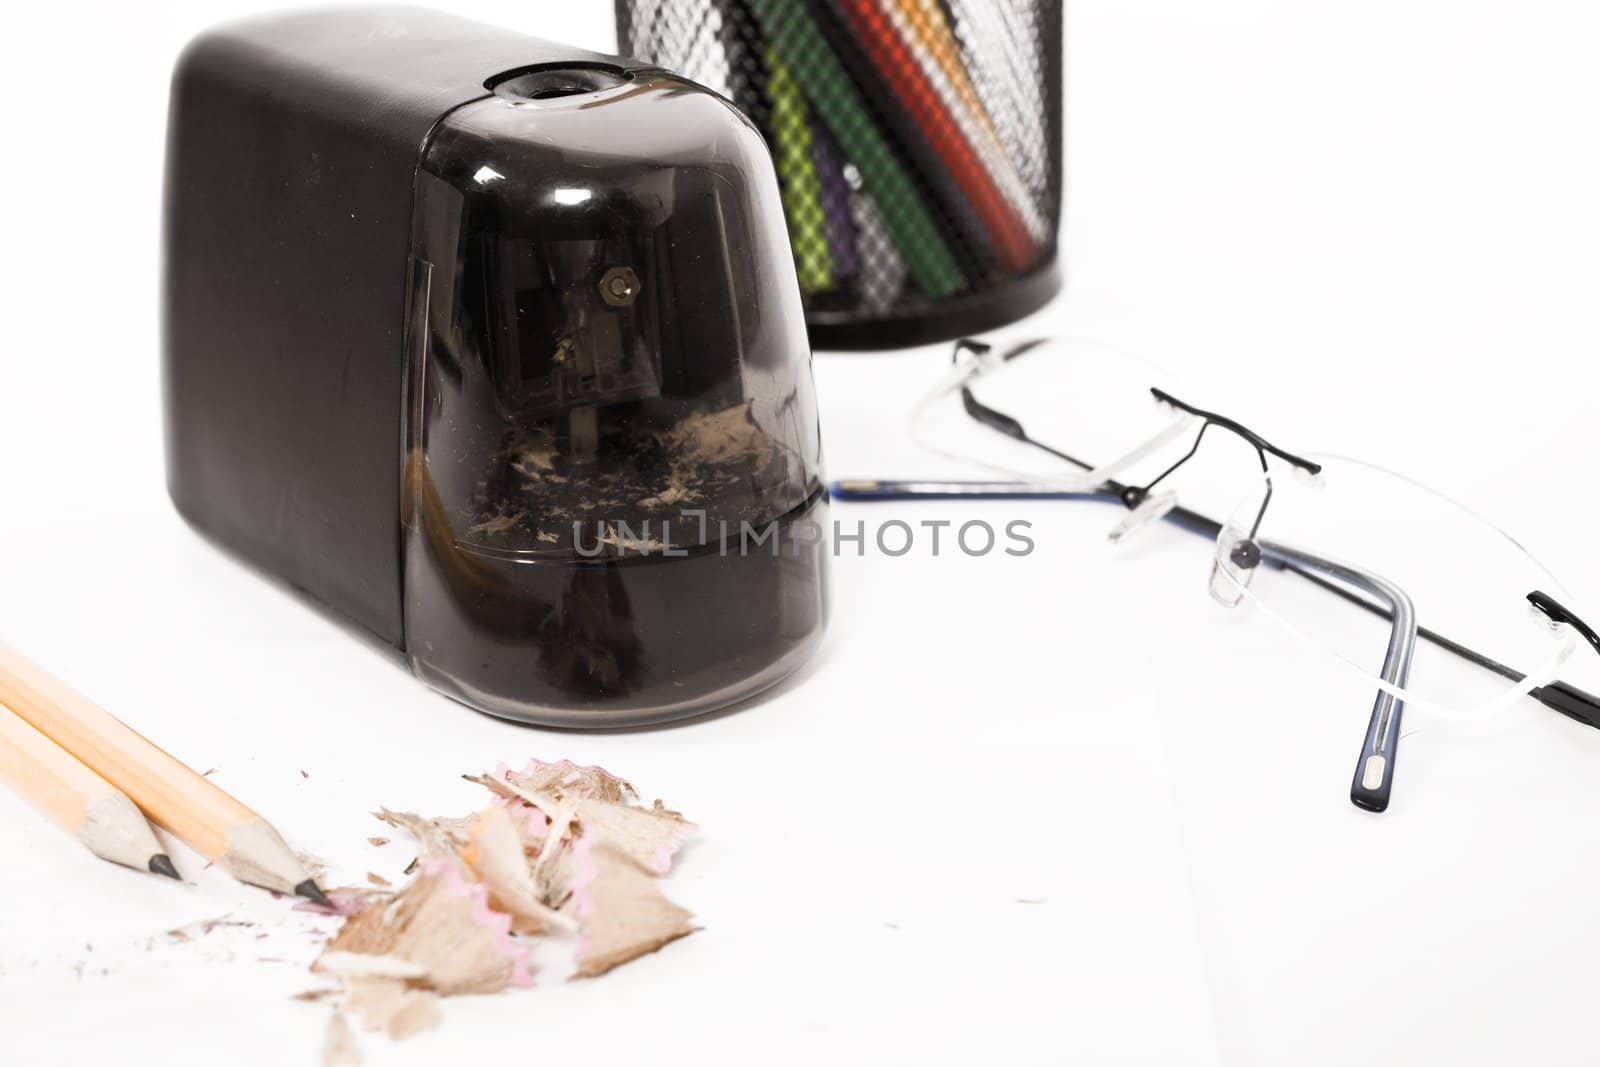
(494, 346)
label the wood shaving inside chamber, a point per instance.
(561, 854)
(720, 436)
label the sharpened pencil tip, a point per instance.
(309, 890)
(161, 863)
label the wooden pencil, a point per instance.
(173, 796)
(81, 802)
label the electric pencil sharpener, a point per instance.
(494, 347)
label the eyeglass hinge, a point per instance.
(1552, 609)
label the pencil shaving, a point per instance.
(648, 836)
(622, 910)
(392, 1006)
(565, 779)
(720, 436)
(350, 965)
(441, 922)
(435, 838)
(497, 855)
(563, 853)
(339, 1047)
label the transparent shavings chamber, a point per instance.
(612, 492)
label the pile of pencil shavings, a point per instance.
(562, 851)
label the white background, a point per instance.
(991, 820)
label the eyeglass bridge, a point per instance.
(1246, 553)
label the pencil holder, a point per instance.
(493, 346)
(918, 144)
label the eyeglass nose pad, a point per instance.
(1233, 566)
(1153, 508)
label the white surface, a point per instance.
(1376, 221)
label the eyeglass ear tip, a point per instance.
(1370, 801)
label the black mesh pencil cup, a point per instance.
(917, 143)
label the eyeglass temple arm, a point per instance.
(875, 489)
(1000, 422)
(1569, 700)
(996, 420)
(1374, 777)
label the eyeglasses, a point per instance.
(1302, 538)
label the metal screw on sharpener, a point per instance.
(619, 287)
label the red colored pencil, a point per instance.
(1016, 248)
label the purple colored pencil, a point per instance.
(834, 193)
